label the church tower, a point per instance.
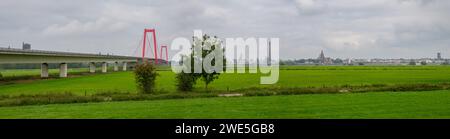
(321, 57)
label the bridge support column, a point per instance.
(63, 70)
(124, 68)
(116, 66)
(92, 67)
(44, 70)
(104, 67)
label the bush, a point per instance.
(423, 63)
(186, 81)
(145, 75)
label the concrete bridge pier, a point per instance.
(92, 67)
(63, 70)
(124, 68)
(116, 66)
(104, 67)
(44, 70)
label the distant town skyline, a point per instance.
(323, 58)
(342, 28)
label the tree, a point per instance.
(338, 61)
(412, 63)
(214, 45)
(145, 75)
(1, 76)
(211, 54)
(423, 63)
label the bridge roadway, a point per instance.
(12, 56)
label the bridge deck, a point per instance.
(13, 51)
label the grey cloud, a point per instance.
(343, 28)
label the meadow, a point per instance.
(292, 76)
(407, 104)
(36, 72)
(431, 104)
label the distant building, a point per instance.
(348, 61)
(26, 46)
(321, 57)
(324, 60)
(439, 56)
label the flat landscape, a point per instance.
(430, 104)
(292, 76)
(385, 104)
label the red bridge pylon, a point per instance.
(154, 44)
(167, 55)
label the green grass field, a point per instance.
(295, 76)
(432, 104)
(30, 72)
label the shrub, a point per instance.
(145, 75)
(423, 63)
(186, 81)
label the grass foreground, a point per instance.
(427, 104)
(326, 92)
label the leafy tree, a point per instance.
(412, 63)
(423, 63)
(186, 81)
(145, 75)
(211, 76)
(338, 61)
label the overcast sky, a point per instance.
(342, 28)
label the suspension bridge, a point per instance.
(43, 57)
